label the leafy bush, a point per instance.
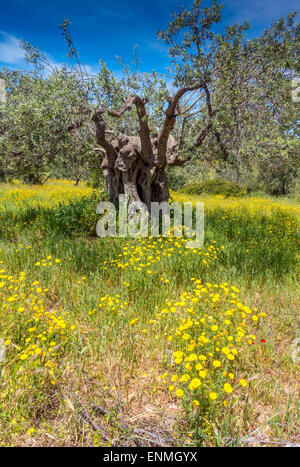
(68, 219)
(215, 187)
(191, 172)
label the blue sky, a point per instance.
(103, 29)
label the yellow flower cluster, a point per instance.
(209, 330)
(252, 205)
(49, 261)
(35, 335)
(151, 251)
(48, 195)
(111, 304)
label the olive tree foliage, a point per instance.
(246, 120)
(259, 121)
(40, 135)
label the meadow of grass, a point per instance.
(121, 341)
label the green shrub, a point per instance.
(215, 187)
(176, 178)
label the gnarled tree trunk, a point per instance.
(135, 165)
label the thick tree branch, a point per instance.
(210, 114)
(186, 111)
(170, 122)
(202, 134)
(144, 132)
(101, 139)
(205, 130)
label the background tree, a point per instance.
(39, 125)
(245, 96)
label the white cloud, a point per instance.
(157, 46)
(90, 69)
(10, 50)
(12, 56)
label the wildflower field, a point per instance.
(144, 342)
